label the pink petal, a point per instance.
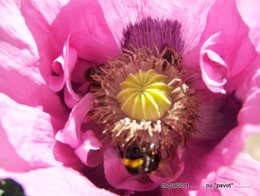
(62, 66)
(201, 161)
(38, 17)
(250, 79)
(213, 67)
(47, 9)
(18, 53)
(9, 158)
(242, 176)
(14, 33)
(224, 41)
(65, 154)
(26, 94)
(70, 134)
(242, 170)
(249, 12)
(175, 191)
(20, 77)
(71, 98)
(167, 171)
(82, 20)
(97, 176)
(77, 86)
(33, 92)
(89, 151)
(218, 115)
(250, 113)
(90, 35)
(78, 74)
(54, 181)
(28, 133)
(120, 14)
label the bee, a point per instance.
(139, 160)
(89, 76)
(91, 72)
(172, 57)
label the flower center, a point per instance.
(145, 95)
(144, 99)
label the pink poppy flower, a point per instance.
(136, 97)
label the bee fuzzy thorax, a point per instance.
(142, 100)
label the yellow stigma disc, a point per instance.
(145, 95)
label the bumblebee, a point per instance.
(91, 72)
(139, 160)
(172, 57)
